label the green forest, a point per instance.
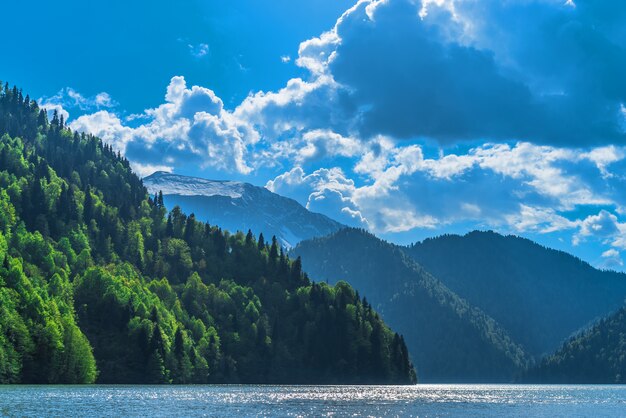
(484, 307)
(596, 355)
(99, 282)
(539, 295)
(450, 340)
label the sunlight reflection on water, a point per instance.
(295, 401)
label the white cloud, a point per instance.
(315, 145)
(401, 220)
(539, 167)
(521, 188)
(144, 170)
(199, 50)
(610, 253)
(69, 98)
(105, 125)
(104, 100)
(604, 225)
(326, 191)
(542, 220)
(612, 260)
(52, 107)
(191, 124)
(603, 157)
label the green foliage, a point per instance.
(595, 356)
(97, 284)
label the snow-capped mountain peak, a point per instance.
(238, 206)
(170, 183)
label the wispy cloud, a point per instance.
(69, 98)
(198, 50)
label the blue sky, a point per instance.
(410, 118)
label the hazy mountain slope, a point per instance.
(449, 340)
(240, 206)
(597, 355)
(540, 296)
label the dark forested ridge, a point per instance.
(540, 296)
(99, 283)
(450, 340)
(597, 355)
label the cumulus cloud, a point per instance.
(324, 190)
(521, 188)
(144, 170)
(604, 226)
(538, 219)
(105, 125)
(191, 126)
(449, 70)
(612, 260)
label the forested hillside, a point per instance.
(450, 340)
(98, 282)
(598, 355)
(540, 296)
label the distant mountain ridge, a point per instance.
(540, 295)
(449, 340)
(241, 206)
(482, 306)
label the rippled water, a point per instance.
(293, 401)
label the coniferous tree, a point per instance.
(249, 238)
(274, 250)
(261, 242)
(88, 206)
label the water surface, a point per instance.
(294, 401)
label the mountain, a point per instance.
(597, 355)
(98, 284)
(449, 339)
(240, 206)
(539, 295)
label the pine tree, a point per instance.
(296, 270)
(249, 238)
(190, 228)
(261, 242)
(274, 250)
(88, 206)
(55, 119)
(42, 119)
(169, 228)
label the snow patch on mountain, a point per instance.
(170, 183)
(238, 206)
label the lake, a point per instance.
(292, 401)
